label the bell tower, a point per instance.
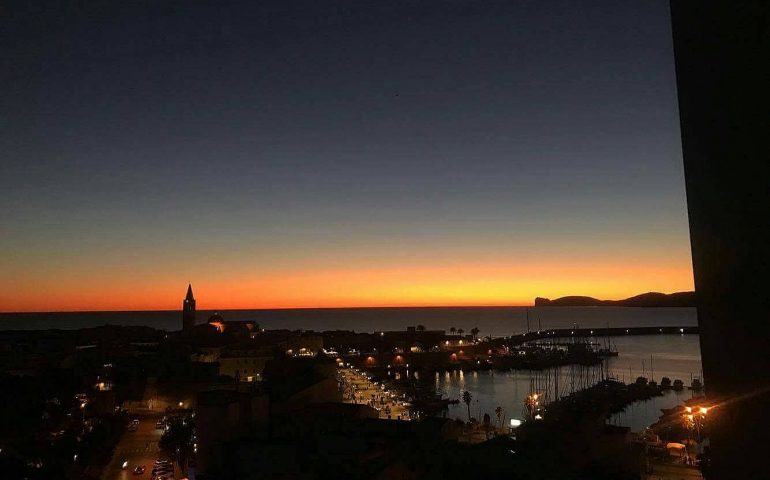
(188, 310)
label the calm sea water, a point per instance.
(674, 356)
(495, 321)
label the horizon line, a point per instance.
(359, 307)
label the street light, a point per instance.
(695, 420)
(533, 405)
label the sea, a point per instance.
(495, 321)
(653, 356)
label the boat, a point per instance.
(696, 385)
(607, 350)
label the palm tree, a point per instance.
(460, 331)
(475, 331)
(420, 328)
(500, 413)
(467, 400)
(452, 330)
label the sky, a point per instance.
(284, 154)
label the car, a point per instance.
(160, 424)
(139, 470)
(162, 471)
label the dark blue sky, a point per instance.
(160, 141)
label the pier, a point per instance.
(593, 332)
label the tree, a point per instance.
(452, 330)
(460, 331)
(500, 415)
(420, 328)
(467, 400)
(475, 331)
(177, 441)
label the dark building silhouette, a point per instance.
(722, 52)
(188, 310)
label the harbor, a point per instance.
(550, 364)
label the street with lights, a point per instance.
(136, 448)
(358, 388)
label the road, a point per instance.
(374, 395)
(138, 448)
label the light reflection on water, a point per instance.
(674, 356)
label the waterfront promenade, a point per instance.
(358, 388)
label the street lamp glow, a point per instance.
(704, 410)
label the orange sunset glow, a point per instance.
(460, 284)
(345, 171)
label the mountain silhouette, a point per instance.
(649, 299)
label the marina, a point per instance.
(670, 375)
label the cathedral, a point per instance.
(215, 323)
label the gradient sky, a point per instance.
(338, 153)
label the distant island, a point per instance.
(649, 299)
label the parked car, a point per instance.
(139, 470)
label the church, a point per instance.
(215, 324)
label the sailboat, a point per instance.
(606, 350)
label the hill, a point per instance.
(649, 299)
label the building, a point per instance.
(244, 364)
(225, 415)
(243, 328)
(721, 51)
(188, 310)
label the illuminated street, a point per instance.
(357, 388)
(137, 448)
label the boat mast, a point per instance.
(652, 370)
(527, 320)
